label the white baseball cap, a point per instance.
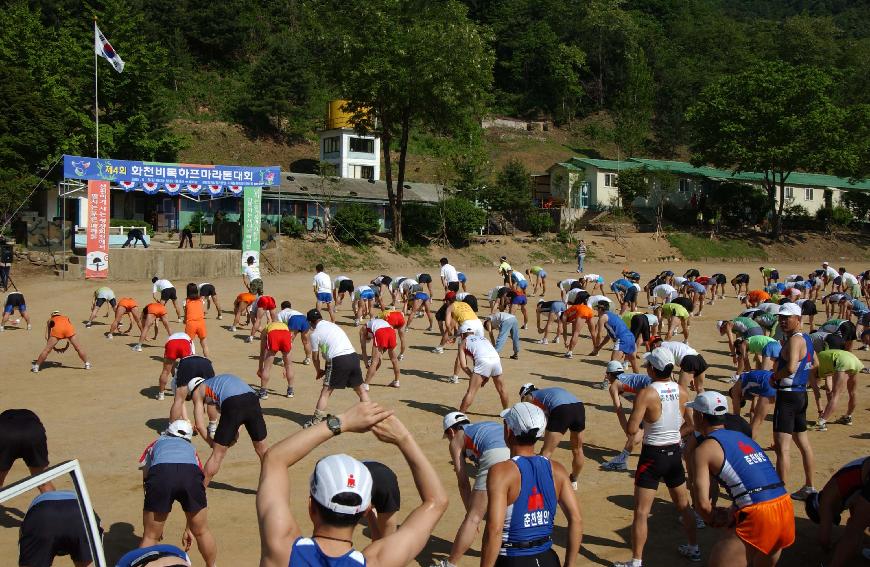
(524, 418)
(659, 358)
(194, 383)
(790, 310)
(526, 389)
(341, 474)
(180, 428)
(615, 367)
(710, 403)
(825, 263)
(453, 418)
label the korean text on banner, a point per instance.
(97, 262)
(252, 216)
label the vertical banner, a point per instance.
(97, 262)
(252, 214)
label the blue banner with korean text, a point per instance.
(143, 172)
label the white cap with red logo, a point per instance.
(710, 403)
(341, 474)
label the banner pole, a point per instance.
(96, 93)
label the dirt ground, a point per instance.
(106, 416)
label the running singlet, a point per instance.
(831, 361)
(633, 383)
(170, 450)
(674, 310)
(276, 326)
(757, 344)
(194, 310)
(850, 480)
(285, 314)
(222, 387)
(621, 284)
(757, 383)
(463, 312)
(747, 474)
(481, 437)
(549, 398)
(528, 522)
(104, 293)
(679, 350)
(797, 381)
(617, 330)
(666, 429)
(480, 349)
(742, 325)
(376, 325)
(565, 285)
(306, 553)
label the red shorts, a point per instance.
(279, 340)
(266, 302)
(385, 338)
(396, 319)
(767, 526)
(176, 349)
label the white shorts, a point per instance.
(487, 459)
(488, 367)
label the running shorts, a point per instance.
(523, 284)
(385, 338)
(22, 436)
(453, 286)
(808, 307)
(345, 286)
(50, 529)
(694, 364)
(367, 295)
(488, 367)
(266, 302)
(279, 340)
(236, 411)
(685, 302)
(386, 496)
(15, 301)
(168, 294)
(630, 295)
(790, 412)
(486, 461)
(101, 300)
(155, 309)
(396, 319)
(771, 350)
(298, 323)
(128, 303)
(248, 298)
(519, 299)
(424, 279)
(625, 347)
(62, 329)
(462, 277)
(195, 329)
(774, 274)
(848, 331)
(640, 327)
(174, 482)
(767, 526)
(177, 349)
(741, 279)
(192, 367)
(207, 290)
(542, 274)
(719, 278)
(441, 314)
(660, 464)
(421, 296)
(567, 416)
(324, 297)
(256, 286)
(546, 558)
(343, 372)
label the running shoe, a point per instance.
(289, 392)
(615, 465)
(401, 357)
(137, 348)
(454, 379)
(109, 336)
(699, 521)
(523, 327)
(803, 493)
(160, 396)
(628, 563)
(429, 328)
(690, 552)
(394, 384)
(603, 385)
(574, 484)
(249, 339)
(438, 350)
(542, 341)
(733, 379)
(34, 368)
(232, 328)
(845, 420)
(88, 325)
(87, 365)
(29, 327)
(219, 317)
(263, 395)
(556, 341)
(515, 356)
(569, 354)
(2, 328)
(356, 322)
(307, 361)
(821, 425)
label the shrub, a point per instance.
(462, 218)
(197, 222)
(564, 236)
(421, 222)
(836, 217)
(292, 226)
(539, 223)
(355, 223)
(796, 216)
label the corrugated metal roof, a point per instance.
(604, 163)
(302, 185)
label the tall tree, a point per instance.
(403, 65)
(633, 107)
(772, 118)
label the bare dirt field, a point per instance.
(107, 415)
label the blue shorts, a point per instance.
(461, 277)
(625, 345)
(9, 308)
(771, 350)
(324, 297)
(367, 295)
(523, 284)
(542, 274)
(422, 296)
(519, 300)
(298, 323)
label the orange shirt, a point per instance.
(757, 296)
(194, 310)
(61, 327)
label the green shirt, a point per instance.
(831, 361)
(757, 343)
(674, 310)
(504, 267)
(536, 270)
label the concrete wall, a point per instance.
(179, 264)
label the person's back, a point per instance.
(529, 518)
(663, 417)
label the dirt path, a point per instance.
(106, 416)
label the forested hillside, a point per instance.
(271, 65)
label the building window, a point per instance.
(789, 193)
(361, 171)
(685, 185)
(610, 179)
(331, 145)
(808, 194)
(362, 145)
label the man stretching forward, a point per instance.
(339, 495)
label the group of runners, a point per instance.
(691, 442)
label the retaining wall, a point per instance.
(183, 263)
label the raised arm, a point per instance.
(401, 547)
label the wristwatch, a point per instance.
(334, 424)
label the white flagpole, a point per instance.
(96, 93)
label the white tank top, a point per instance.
(665, 430)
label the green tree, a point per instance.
(355, 223)
(511, 194)
(772, 118)
(633, 107)
(631, 184)
(461, 218)
(404, 65)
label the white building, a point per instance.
(354, 156)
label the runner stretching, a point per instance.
(59, 328)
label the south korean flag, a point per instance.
(104, 49)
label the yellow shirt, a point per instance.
(276, 326)
(463, 312)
